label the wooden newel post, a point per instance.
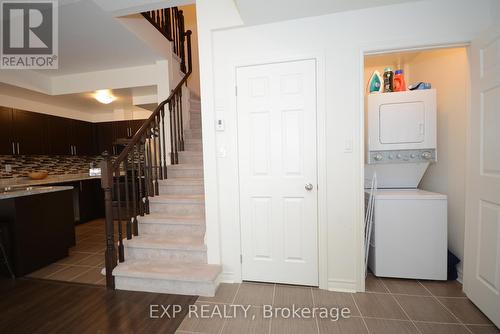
(107, 186)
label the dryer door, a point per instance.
(402, 123)
(402, 120)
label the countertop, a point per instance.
(29, 191)
(51, 179)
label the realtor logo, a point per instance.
(29, 34)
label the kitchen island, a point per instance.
(37, 225)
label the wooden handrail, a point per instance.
(129, 179)
(135, 139)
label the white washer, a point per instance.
(409, 236)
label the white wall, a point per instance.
(448, 71)
(338, 42)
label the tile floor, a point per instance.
(85, 260)
(389, 306)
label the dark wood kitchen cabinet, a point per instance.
(29, 132)
(127, 129)
(38, 228)
(121, 129)
(6, 135)
(58, 135)
(83, 138)
(70, 137)
(135, 125)
(105, 137)
(109, 132)
(90, 200)
(22, 132)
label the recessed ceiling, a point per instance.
(83, 102)
(91, 39)
(266, 11)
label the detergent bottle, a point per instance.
(399, 81)
(375, 83)
(388, 80)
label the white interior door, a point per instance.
(278, 172)
(482, 238)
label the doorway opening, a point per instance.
(415, 144)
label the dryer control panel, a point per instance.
(401, 156)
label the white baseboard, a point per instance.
(229, 277)
(342, 285)
(460, 272)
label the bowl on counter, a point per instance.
(38, 175)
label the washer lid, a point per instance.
(407, 194)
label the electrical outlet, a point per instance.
(8, 168)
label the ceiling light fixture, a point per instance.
(104, 96)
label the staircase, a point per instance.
(169, 254)
(154, 195)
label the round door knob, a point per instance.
(309, 187)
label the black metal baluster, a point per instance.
(162, 115)
(174, 30)
(146, 175)
(181, 131)
(140, 177)
(150, 165)
(181, 41)
(170, 112)
(158, 152)
(121, 256)
(156, 136)
(169, 25)
(127, 201)
(134, 193)
(178, 119)
(174, 121)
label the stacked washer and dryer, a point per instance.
(409, 233)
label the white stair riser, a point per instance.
(191, 133)
(194, 136)
(193, 146)
(190, 159)
(169, 255)
(206, 289)
(195, 124)
(184, 173)
(181, 189)
(178, 209)
(172, 230)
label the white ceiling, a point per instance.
(91, 39)
(395, 58)
(266, 11)
(127, 7)
(83, 102)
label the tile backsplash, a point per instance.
(54, 164)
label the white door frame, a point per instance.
(371, 50)
(321, 156)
